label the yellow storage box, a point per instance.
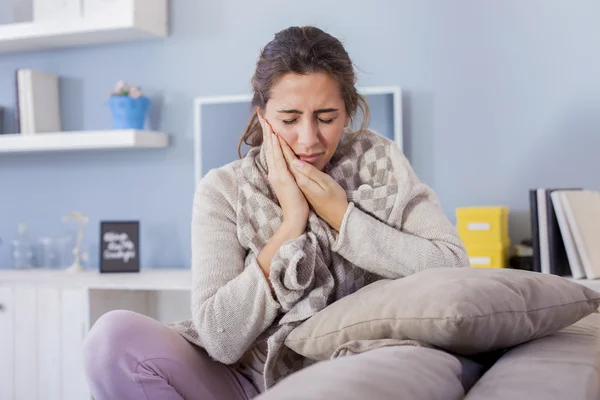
(483, 224)
(488, 255)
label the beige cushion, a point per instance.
(565, 365)
(462, 310)
(389, 373)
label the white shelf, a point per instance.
(146, 279)
(82, 140)
(144, 19)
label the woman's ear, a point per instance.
(260, 113)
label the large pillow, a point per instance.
(462, 310)
(392, 373)
(558, 367)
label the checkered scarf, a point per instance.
(306, 274)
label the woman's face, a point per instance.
(308, 112)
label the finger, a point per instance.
(306, 184)
(290, 158)
(261, 121)
(265, 131)
(288, 153)
(302, 178)
(309, 171)
(268, 143)
(278, 159)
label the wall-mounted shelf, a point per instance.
(82, 140)
(143, 19)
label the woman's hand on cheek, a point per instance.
(291, 199)
(324, 194)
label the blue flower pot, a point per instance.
(128, 113)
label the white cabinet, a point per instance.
(42, 330)
(6, 344)
(45, 316)
(24, 341)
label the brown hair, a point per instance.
(302, 50)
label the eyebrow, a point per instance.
(316, 112)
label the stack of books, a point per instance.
(566, 232)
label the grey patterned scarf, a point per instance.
(306, 274)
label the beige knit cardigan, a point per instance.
(232, 304)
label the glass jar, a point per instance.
(22, 250)
(47, 256)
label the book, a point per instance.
(38, 102)
(557, 254)
(582, 209)
(535, 229)
(573, 259)
(17, 109)
(543, 232)
(23, 103)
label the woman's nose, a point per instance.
(308, 135)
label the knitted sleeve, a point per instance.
(296, 269)
(419, 237)
(232, 303)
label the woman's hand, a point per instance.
(324, 194)
(292, 201)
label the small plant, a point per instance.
(125, 89)
(128, 106)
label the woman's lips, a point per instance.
(310, 158)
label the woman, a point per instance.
(312, 213)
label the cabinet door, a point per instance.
(6, 344)
(42, 330)
(74, 326)
(25, 342)
(49, 335)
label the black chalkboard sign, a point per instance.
(119, 246)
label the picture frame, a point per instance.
(119, 246)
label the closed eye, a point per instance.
(293, 121)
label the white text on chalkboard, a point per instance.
(119, 246)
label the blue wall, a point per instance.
(499, 97)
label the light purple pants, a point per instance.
(131, 356)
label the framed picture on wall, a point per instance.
(119, 246)
(220, 121)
